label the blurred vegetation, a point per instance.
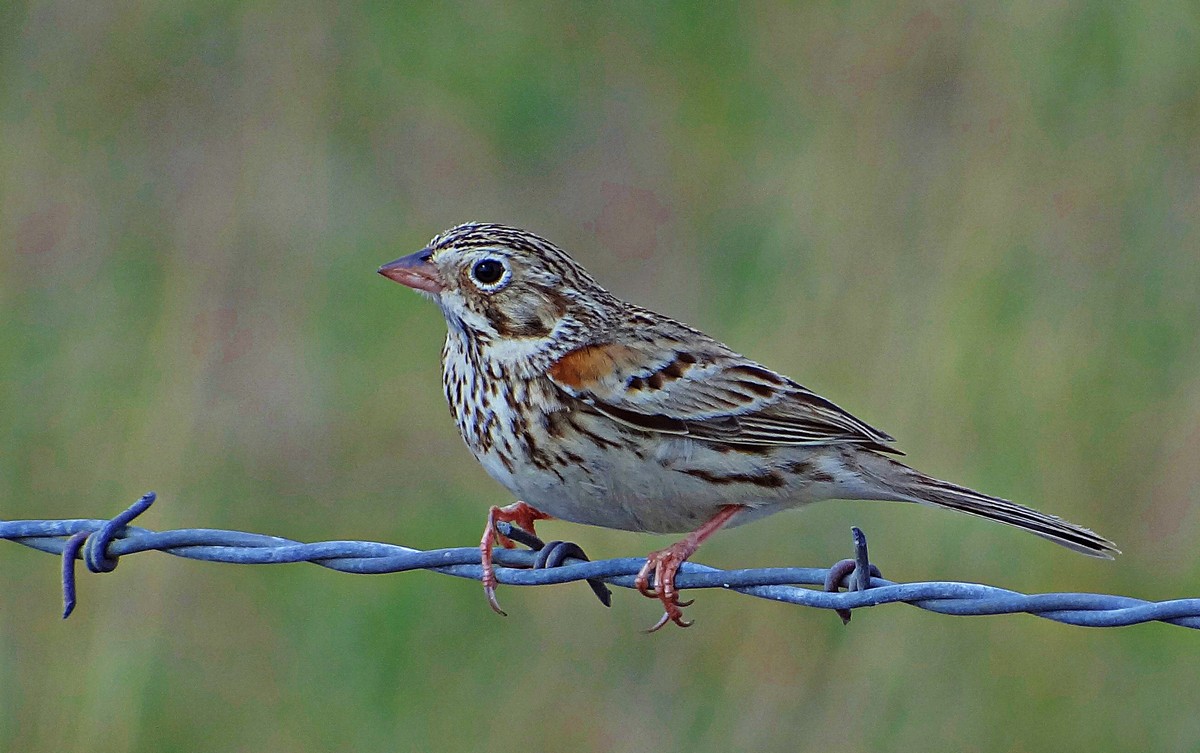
(974, 225)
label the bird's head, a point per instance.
(505, 287)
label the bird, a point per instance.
(596, 411)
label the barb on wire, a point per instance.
(101, 543)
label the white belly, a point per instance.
(675, 487)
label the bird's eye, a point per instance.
(488, 271)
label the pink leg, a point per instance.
(665, 564)
(521, 514)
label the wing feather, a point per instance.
(706, 391)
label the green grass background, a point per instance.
(974, 225)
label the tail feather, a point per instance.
(912, 486)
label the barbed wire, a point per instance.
(100, 544)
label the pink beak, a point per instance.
(415, 271)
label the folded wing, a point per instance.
(701, 389)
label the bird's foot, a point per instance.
(664, 564)
(523, 516)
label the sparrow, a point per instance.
(593, 410)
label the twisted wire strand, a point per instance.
(101, 543)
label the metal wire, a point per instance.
(101, 543)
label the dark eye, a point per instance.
(488, 271)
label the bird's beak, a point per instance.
(415, 271)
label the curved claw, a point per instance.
(521, 514)
(490, 593)
(656, 626)
(665, 564)
(677, 618)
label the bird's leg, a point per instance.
(665, 564)
(521, 514)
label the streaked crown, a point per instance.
(506, 288)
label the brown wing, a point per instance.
(705, 391)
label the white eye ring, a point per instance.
(490, 274)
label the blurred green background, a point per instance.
(976, 226)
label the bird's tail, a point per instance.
(910, 485)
